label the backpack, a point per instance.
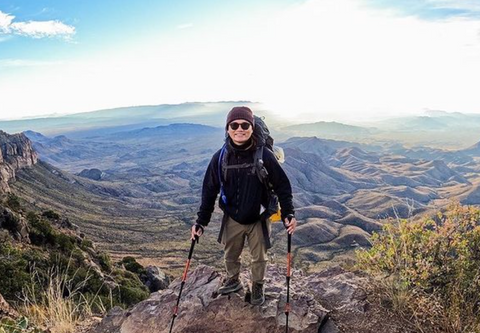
(264, 140)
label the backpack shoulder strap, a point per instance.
(260, 169)
(221, 162)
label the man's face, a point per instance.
(239, 134)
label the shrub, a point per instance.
(40, 231)
(133, 266)
(133, 295)
(16, 267)
(50, 214)
(105, 262)
(86, 244)
(64, 242)
(431, 268)
(131, 290)
(13, 202)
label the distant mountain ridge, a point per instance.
(328, 130)
(171, 131)
(434, 129)
(107, 121)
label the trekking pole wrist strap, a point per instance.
(199, 226)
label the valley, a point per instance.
(136, 192)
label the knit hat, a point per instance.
(240, 112)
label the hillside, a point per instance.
(47, 262)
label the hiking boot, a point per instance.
(258, 296)
(230, 285)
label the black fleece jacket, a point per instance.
(244, 191)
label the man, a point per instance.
(243, 199)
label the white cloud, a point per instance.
(5, 21)
(35, 29)
(40, 29)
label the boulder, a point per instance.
(156, 279)
(15, 224)
(339, 290)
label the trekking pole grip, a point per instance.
(289, 218)
(198, 227)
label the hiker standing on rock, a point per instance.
(251, 183)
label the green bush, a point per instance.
(64, 242)
(105, 262)
(13, 202)
(15, 276)
(40, 231)
(86, 244)
(50, 214)
(434, 264)
(131, 290)
(10, 223)
(133, 295)
(133, 266)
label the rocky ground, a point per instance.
(331, 301)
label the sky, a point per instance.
(307, 60)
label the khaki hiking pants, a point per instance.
(233, 239)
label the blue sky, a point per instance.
(304, 59)
(432, 9)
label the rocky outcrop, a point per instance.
(16, 152)
(93, 174)
(156, 279)
(331, 301)
(15, 224)
(339, 289)
(203, 310)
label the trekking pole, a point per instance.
(289, 263)
(184, 278)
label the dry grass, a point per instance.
(60, 307)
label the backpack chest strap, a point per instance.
(240, 166)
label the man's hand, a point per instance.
(290, 225)
(196, 231)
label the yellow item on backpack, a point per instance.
(276, 217)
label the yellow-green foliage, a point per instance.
(431, 268)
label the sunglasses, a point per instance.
(235, 126)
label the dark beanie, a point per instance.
(240, 112)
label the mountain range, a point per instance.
(139, 171)
(342, 190)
